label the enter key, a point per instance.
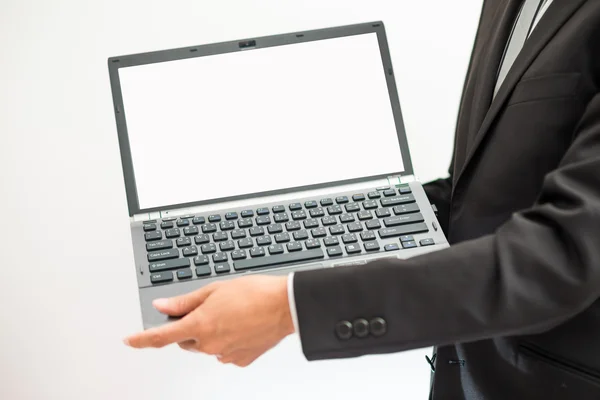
(403, 220)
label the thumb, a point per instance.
(184, 304)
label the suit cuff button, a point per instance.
(343, 330)
(378, 326)
(361, 328)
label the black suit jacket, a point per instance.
(512, 306)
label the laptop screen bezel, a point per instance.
(251, 44)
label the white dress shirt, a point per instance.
(529, 16)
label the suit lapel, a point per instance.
(556, 16)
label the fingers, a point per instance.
(189, 345)
(162, 336)
(184, 304)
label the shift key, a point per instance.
(170, 264)
(403, 230)
(163, 255)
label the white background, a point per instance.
(67, 291)
(273, 118)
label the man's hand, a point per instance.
(236, 320)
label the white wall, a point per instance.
(67, 293)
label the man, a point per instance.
(512, 305)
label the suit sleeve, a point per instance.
(538, 270)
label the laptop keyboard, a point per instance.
(200, 246)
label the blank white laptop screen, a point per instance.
(259, 120)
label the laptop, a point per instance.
(264, 156)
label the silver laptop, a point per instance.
(265, 155)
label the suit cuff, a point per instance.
(292, 302)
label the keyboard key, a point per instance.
(334, 210)
(263, 220)
(311, 223)
(150, 221)
(403, 220)
(318, 232)
(202, 239)
(208, 248)
(184, 274)
(353, 249)
(372, 246)
(161, 277)
(149, 227)
(293, 226)
(295, 206)
(380, 189)
(214, 218)
(358, 197)
(163, 255)
(374, 195)
(172, 233)
(405, 190)
(257, 231)
(184, 241)
(264, 240)
(331, 241)
(278, 260)
(317, 212)
(294, 246)
(190, 230)
(190, 251)
(403, 230)
(278, 209)
(337, 230)
(370, 205)
(238, 254)
(409, 245)
(349, 238)
(187, 216)
(297, 215)
(183, 222)
(275, 249)
(198, 220)
(166, 225)
(282, 237)
(209, 228)
(203, 271)
(312, 244)
(247, 214)
(227, 225)
(168, 219)
(153, 236)
(352, 207)
(200, 260)
(427, 242)
(329, 220)
(245, 223)
(392, 247)
(257, 252)
(365, 214)
(220, 236)
(407, 238)
(366, 236)
(281, 218)
(341, 199)
(374, 224)
(346, 218)
(389, 193)
(393, 201)
(406, 209)
(238, 234)
(262, 211)
(310, 204)
(169, 265)
(163, 244)
(355, 227)
(245, 243)
(220, 257)
(227, 246)
(300, 235)
(231, 216)
(222, 268)
(275, 228)
(326, 202)
(334, 251)
(383, 212)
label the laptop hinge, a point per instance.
(400, 179)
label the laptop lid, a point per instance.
(256, 117)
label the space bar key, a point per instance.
(280, 259)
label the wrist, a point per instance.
(287, 322)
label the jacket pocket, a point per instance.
(545, 87)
